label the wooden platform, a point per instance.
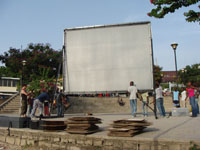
(127, 127)
(82, 125)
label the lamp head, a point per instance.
(174, 46)
(24, 62)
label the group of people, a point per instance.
(144, 97)
(190, 92)
(133, 95)
(29, 104)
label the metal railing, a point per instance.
(7, 101)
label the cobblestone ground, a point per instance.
(6, 146)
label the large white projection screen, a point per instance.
(107, 58)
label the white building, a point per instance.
(8, 86)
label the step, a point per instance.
(10, 110)
(10, 107)
(13, 103)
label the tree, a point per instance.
(157, 73)
(37, 57)
(4, 71)
(42, 82)
(170, 6)
(190, 73)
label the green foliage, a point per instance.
(190, 73)
(157, 73)
(170, 6)
(42, 82)
(4, 71)
(192, 16)
(165, 85)
(37, 56)
(194, 146)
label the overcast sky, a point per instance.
(43, 21)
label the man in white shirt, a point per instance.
(132, 90)
(159, 99)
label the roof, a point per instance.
(9, 78)
(169, 76)
(110, 25)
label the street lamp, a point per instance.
(23, 64)
(174, 46)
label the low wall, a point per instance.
(63, 141)
(109, 105)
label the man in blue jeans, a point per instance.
(190, 93)
(159, 99)
(38, 103)
(59, 103)
(132, 90)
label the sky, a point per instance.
(43, 21)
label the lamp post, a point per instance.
(23, 64)
(174, 46)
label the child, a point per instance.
(183, 97)
(176, 98)
(145, 102)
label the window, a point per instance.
(9, 83)
(4, 82)
(14, 83)
(1, 83)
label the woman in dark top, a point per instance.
(24, 95)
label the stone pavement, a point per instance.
(173, 133)
(183, 128)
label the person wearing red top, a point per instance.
(190, 93)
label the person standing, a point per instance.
(30, 103)
(132, 90)
(176, 98)
(24, 95)
(196, 94)
(59, 103)
(159, 99)
(38, 103)
(190, 93)
(145, 102)
(183, 97)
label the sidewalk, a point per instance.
(172, 128)
(173, 133)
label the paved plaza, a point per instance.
(170, 133)
(182, 128)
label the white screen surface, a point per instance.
(107, 58)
